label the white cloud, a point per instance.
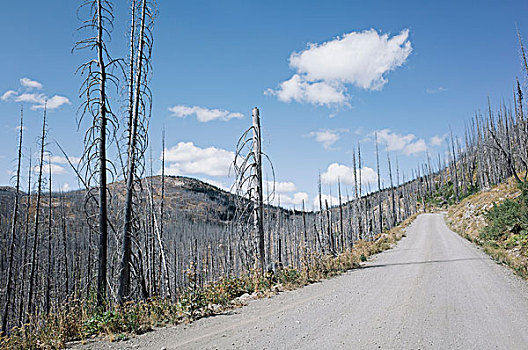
(32, 84)
(318, 93)
(361, 59)
(436, 90)
(54, 102)
(31, 98)
(63, 160)
(416, 147)
(55, 169)
(66, 187)
(218, 184)
(204, 114)
(295, 200)
(186, 158)
(327, 137)
(408, 144)
(281, 187)
(36, 100)
(8, 95)
(345, 175)
(437, 140)
(393, 141)
(325, 197)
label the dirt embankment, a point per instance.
(467, 218)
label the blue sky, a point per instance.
(213, 61)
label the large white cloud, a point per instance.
(339, 172)
(361, 59)
(186, 158)
(408, 144)
(203, 114)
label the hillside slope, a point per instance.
(468, 218)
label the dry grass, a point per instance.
(79, 321)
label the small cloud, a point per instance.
(32, 84)
(407, 144)
(54, 102)
(416, 147)
(436, 90)
(8, 95)
(325, 198)
(327, 137)
(437, 140)
(63, 160)
(55, 169)
(36, 100)
(295, 200)
(281, 187)
(204, 114)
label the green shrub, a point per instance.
(508, 218)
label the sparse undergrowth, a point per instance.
(80, 320)
(496, 220)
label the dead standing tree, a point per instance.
(139, 115)
(248, 185)
(93, 90)
(14, 220)
(34, 251)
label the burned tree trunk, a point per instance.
(258, 209)
(14, 220)
(36, 227)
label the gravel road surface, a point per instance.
(435, 290)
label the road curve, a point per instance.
(435, 290)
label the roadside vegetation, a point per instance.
(82, 321)
(497, 220)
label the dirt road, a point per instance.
(434, 290)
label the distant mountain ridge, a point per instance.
(196, 199)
